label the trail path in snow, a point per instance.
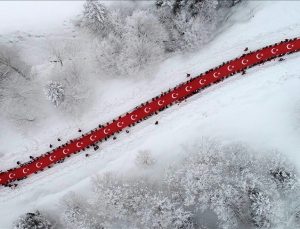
(151, 107)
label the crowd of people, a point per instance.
(100, 126)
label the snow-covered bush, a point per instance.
(144, 159)
(55, 92)
(34, 220)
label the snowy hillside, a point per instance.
(260, 109)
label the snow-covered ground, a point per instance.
(36, 16)
(261, 109)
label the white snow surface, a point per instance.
(261, 109)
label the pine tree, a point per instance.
(96, 17)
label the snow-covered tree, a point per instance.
(144, 38)
(108, 52)
(192, 7)
(283, 173)
(144, 159)
(228, 3)
(77, 213)
(190, 23)
(135, 204)
(96, 17)
(141, 42)
(261, 206)
(77, 89)
(55, 92)
(297, 218)
(120, 201)
(33, 220)
(69, 88)
(163, 212)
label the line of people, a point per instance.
(96, 147)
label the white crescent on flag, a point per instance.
(52, 157)
(79, 144)
(147, 109)
(202, 81)
(230, 68)
(120, 124)
(259, 55)
(274, 50)
(216, 74)
(160, 102)
(289, 46)
(105, 131)
(66, 151)
(188, 88)
(245, 61)
(93, 137)
(133, 117)
(38, 164)
(174, 95)
(11, 175)
(25, 170)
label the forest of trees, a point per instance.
(122, 42)
(129, 40)
(215, 186)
